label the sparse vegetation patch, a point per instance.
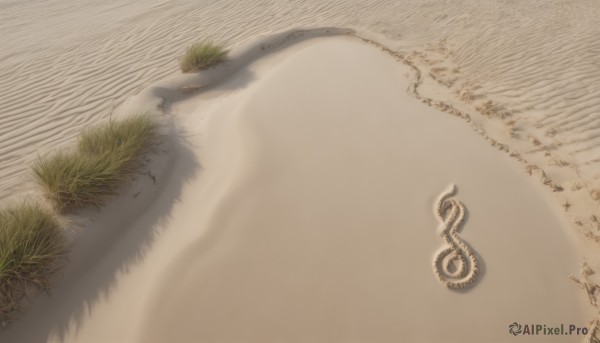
(105, 157)
(202, 55)
(31, 242)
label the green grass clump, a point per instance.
(106, 156)
(31, 242)
(202, 56)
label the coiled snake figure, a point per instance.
(455, 266)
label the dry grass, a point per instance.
(202, 55)
(31, 242)
(105, 157)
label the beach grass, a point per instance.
(31, 242)
(202, 55)
(105, 157)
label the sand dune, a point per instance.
(536, 62)
(305, 222)
(522, 75)
(64, 63)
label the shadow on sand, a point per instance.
(107, 242)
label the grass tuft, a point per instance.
(106, 156)
(31, 242)
(202, 55)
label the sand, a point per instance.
(303, 211)
(288, 202)
(66, 65)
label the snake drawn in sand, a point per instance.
(455, 266)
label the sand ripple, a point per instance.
(526, 71)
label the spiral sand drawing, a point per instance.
(455, 266)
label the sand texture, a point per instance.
(305, 222)
(300, 191)
(525, 72)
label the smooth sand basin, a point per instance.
(311, 220)
(325, 231)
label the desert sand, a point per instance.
(292, 196)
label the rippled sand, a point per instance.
(513, 94)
